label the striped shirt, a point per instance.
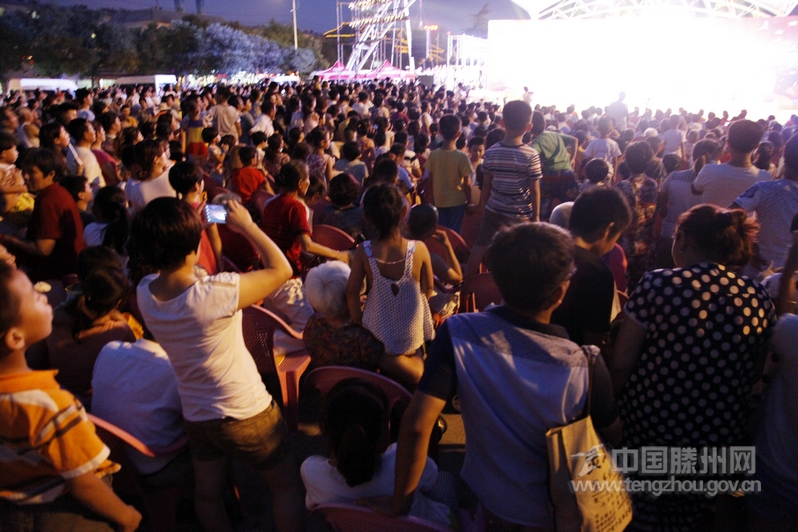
(513, 168)
(45, 439)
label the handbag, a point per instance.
(587, 493)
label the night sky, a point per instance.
(319, 15)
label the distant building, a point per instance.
(181, 8)
(142, 18)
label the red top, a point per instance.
(246, 181)
(284, 219)
(55, 217)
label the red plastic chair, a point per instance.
(478, 292)
(259, 198)
(461, 249)
(323, 379)
(353, 518)
(332, 237)
(161, 504)
(259, 326)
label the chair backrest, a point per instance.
(126, 481)
(353, 518)
(229, 266)
(259, 325)
(332, 237)
(461, 249)
(478, 292)
(259, 199)
(323, 379)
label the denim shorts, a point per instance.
(260, 441)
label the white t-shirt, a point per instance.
(325, 485)
(201, 331)
(606, 149)
(140, 193)
(91, 168)
(673, 140)
(721, 184)
(94, 233)
(135, 388)
(363, 108)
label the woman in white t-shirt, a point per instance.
(353, 417)
(152, 179)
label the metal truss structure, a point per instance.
(381, 29)
(591, 9)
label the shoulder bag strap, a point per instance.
(591, 365)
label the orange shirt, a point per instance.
(45, 438)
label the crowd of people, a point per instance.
(657, 248)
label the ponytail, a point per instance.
(353, 417)
(101, 292)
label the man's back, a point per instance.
(516, 379)
(721, 184)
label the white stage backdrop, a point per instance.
(659, 61)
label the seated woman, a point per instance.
(688, 352)
(330, 336)
(353, 417)
(84, 325)
(344, 213)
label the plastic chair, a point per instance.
(323, 379)
(259, 198)
(461, 249)
(332, 237)
(161, 504)
(478, 292)
(259, 325)
(353, 518)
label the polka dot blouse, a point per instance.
(706, 329)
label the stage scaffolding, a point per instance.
(381, 31)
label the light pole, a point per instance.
(293, 2)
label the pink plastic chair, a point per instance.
(353, 518)
(478, 292)
(332, 237)
(461, 249)
(161, 504)
(323, 379)
(259, 326)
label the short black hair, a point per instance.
(184, 176)
(517, 115)
(43, 159)
(450, 126)
(350, 150)
(382, 208)
(74, 184)
(77, 128)
(422, 219)
(258, 138)
(597, 170)
(164, 232)
(7, 141)
(247, 155)
(344, 190)
(209, 133)
(638, 156)
(744, 135)
(595, 209)
(290, 174)
(528, 262)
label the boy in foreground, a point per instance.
(53, 462)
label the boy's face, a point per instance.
(35, 318)
(10, 155)
(476, 151)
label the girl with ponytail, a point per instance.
(354, 419)
(676, 198)
(688, 352)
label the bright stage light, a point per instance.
(660, 60)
